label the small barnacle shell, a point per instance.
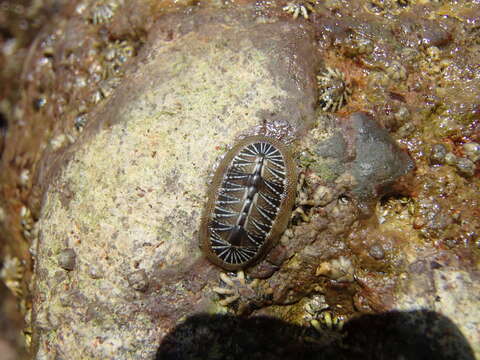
(249, 202)
(334, 90)
(12, 273)
(300, 7)
(103, 11)
(138, 280)
(67, 259)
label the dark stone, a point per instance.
(333, 147)
(379, 161)
(364, 149)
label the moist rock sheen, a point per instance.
(360, 146)
(378, 162)
(126, 197)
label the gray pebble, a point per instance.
(472, 150)
(376, 251)
(466, 167)
(450, 159)
(437, 155)
(138, 280)
(66, 259)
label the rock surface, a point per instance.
(116, 114)
(126, 198)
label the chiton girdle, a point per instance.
(249, 202)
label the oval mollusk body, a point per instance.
(249, 202)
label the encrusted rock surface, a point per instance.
(126, 198)
(110, 131)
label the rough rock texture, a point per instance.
(115, 113)
(343, 175)
(131, 191)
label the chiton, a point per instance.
(249, 202)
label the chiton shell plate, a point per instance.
(249, 202)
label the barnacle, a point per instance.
(236, 286)
(115, 55)
(300, 8)
(103, 11)
(319, 317)
(396, 71)
(328, 320)
(239, 291)
(80, 121)
(314, 306)
(334, 90)
(395, 207)
(11, 274)
(25, 177)
(26, 221)
(309, 196)
(301, 200)
(105, 89)
(381, 7)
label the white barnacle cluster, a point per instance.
(319, 316)
(115, 55)
(300, 8)
(334, 90)
(11, 274)
(234, 285)
(27, 222)
(383, 7)
(103, 11)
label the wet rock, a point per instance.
(465, 167)
(437, 155)
(431, 217)
(355, 161)
(365, 151)
(472, 150)
(451, 159)
(412, 66)
(379, 161)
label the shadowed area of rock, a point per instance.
(416, 335)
